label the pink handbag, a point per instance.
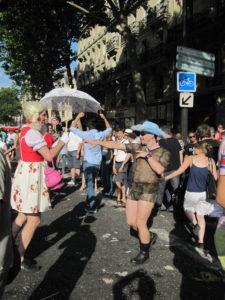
(53, 178)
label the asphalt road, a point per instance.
(90, 259)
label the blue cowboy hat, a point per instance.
(149, 127)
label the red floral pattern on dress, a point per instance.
(34, 210)
(29, 192)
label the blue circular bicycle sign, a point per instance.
(186, 82)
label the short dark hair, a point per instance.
(118, 128)
(203, 131)
(167, 129)
(94, 123)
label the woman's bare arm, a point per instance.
(214, 171)
(49, 154)
(107, 144)
(183, 167)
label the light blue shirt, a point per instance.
(92, 155)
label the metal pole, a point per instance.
(184, 111)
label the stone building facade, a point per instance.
(104, 64)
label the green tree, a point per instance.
(10, 104)
(35, 42)
(116, 20)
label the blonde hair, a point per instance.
(32, 109)
(204, 146)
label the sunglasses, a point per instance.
(143, 133)
(191, 136)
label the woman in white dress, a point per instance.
(196, 205)
(29, 196)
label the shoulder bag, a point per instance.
(210, 183)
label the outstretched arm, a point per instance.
(183, 167)
(107, 144)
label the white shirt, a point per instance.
(74, 141)
(120, 155)
(2, 145)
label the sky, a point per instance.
(5, 80)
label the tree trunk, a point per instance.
(69, 74)
(140, 100)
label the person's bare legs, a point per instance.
(72, 173)
(119, 191)
(202, 224)
(131, 213)
(27, 233)
(191, 216)
(18, 223)
(77, 173)
(83, 183)
(144, 209)
(123, 188)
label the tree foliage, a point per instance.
(9, 103)
(36, 38)
(115, 17)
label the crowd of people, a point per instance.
(144, 167)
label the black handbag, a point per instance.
(210, 183)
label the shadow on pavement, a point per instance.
(62, 277)
(137, 285)
(200, 278)
(61, 195)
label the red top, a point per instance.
(49, 139)
(219, 136)
(26, 152)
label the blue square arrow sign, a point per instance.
(186, 82)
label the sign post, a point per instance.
(186, 84)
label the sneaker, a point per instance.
(163, 207)
(81, 215)
(170, 208)
(91, 210)
(107, 194)
(71, 183)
